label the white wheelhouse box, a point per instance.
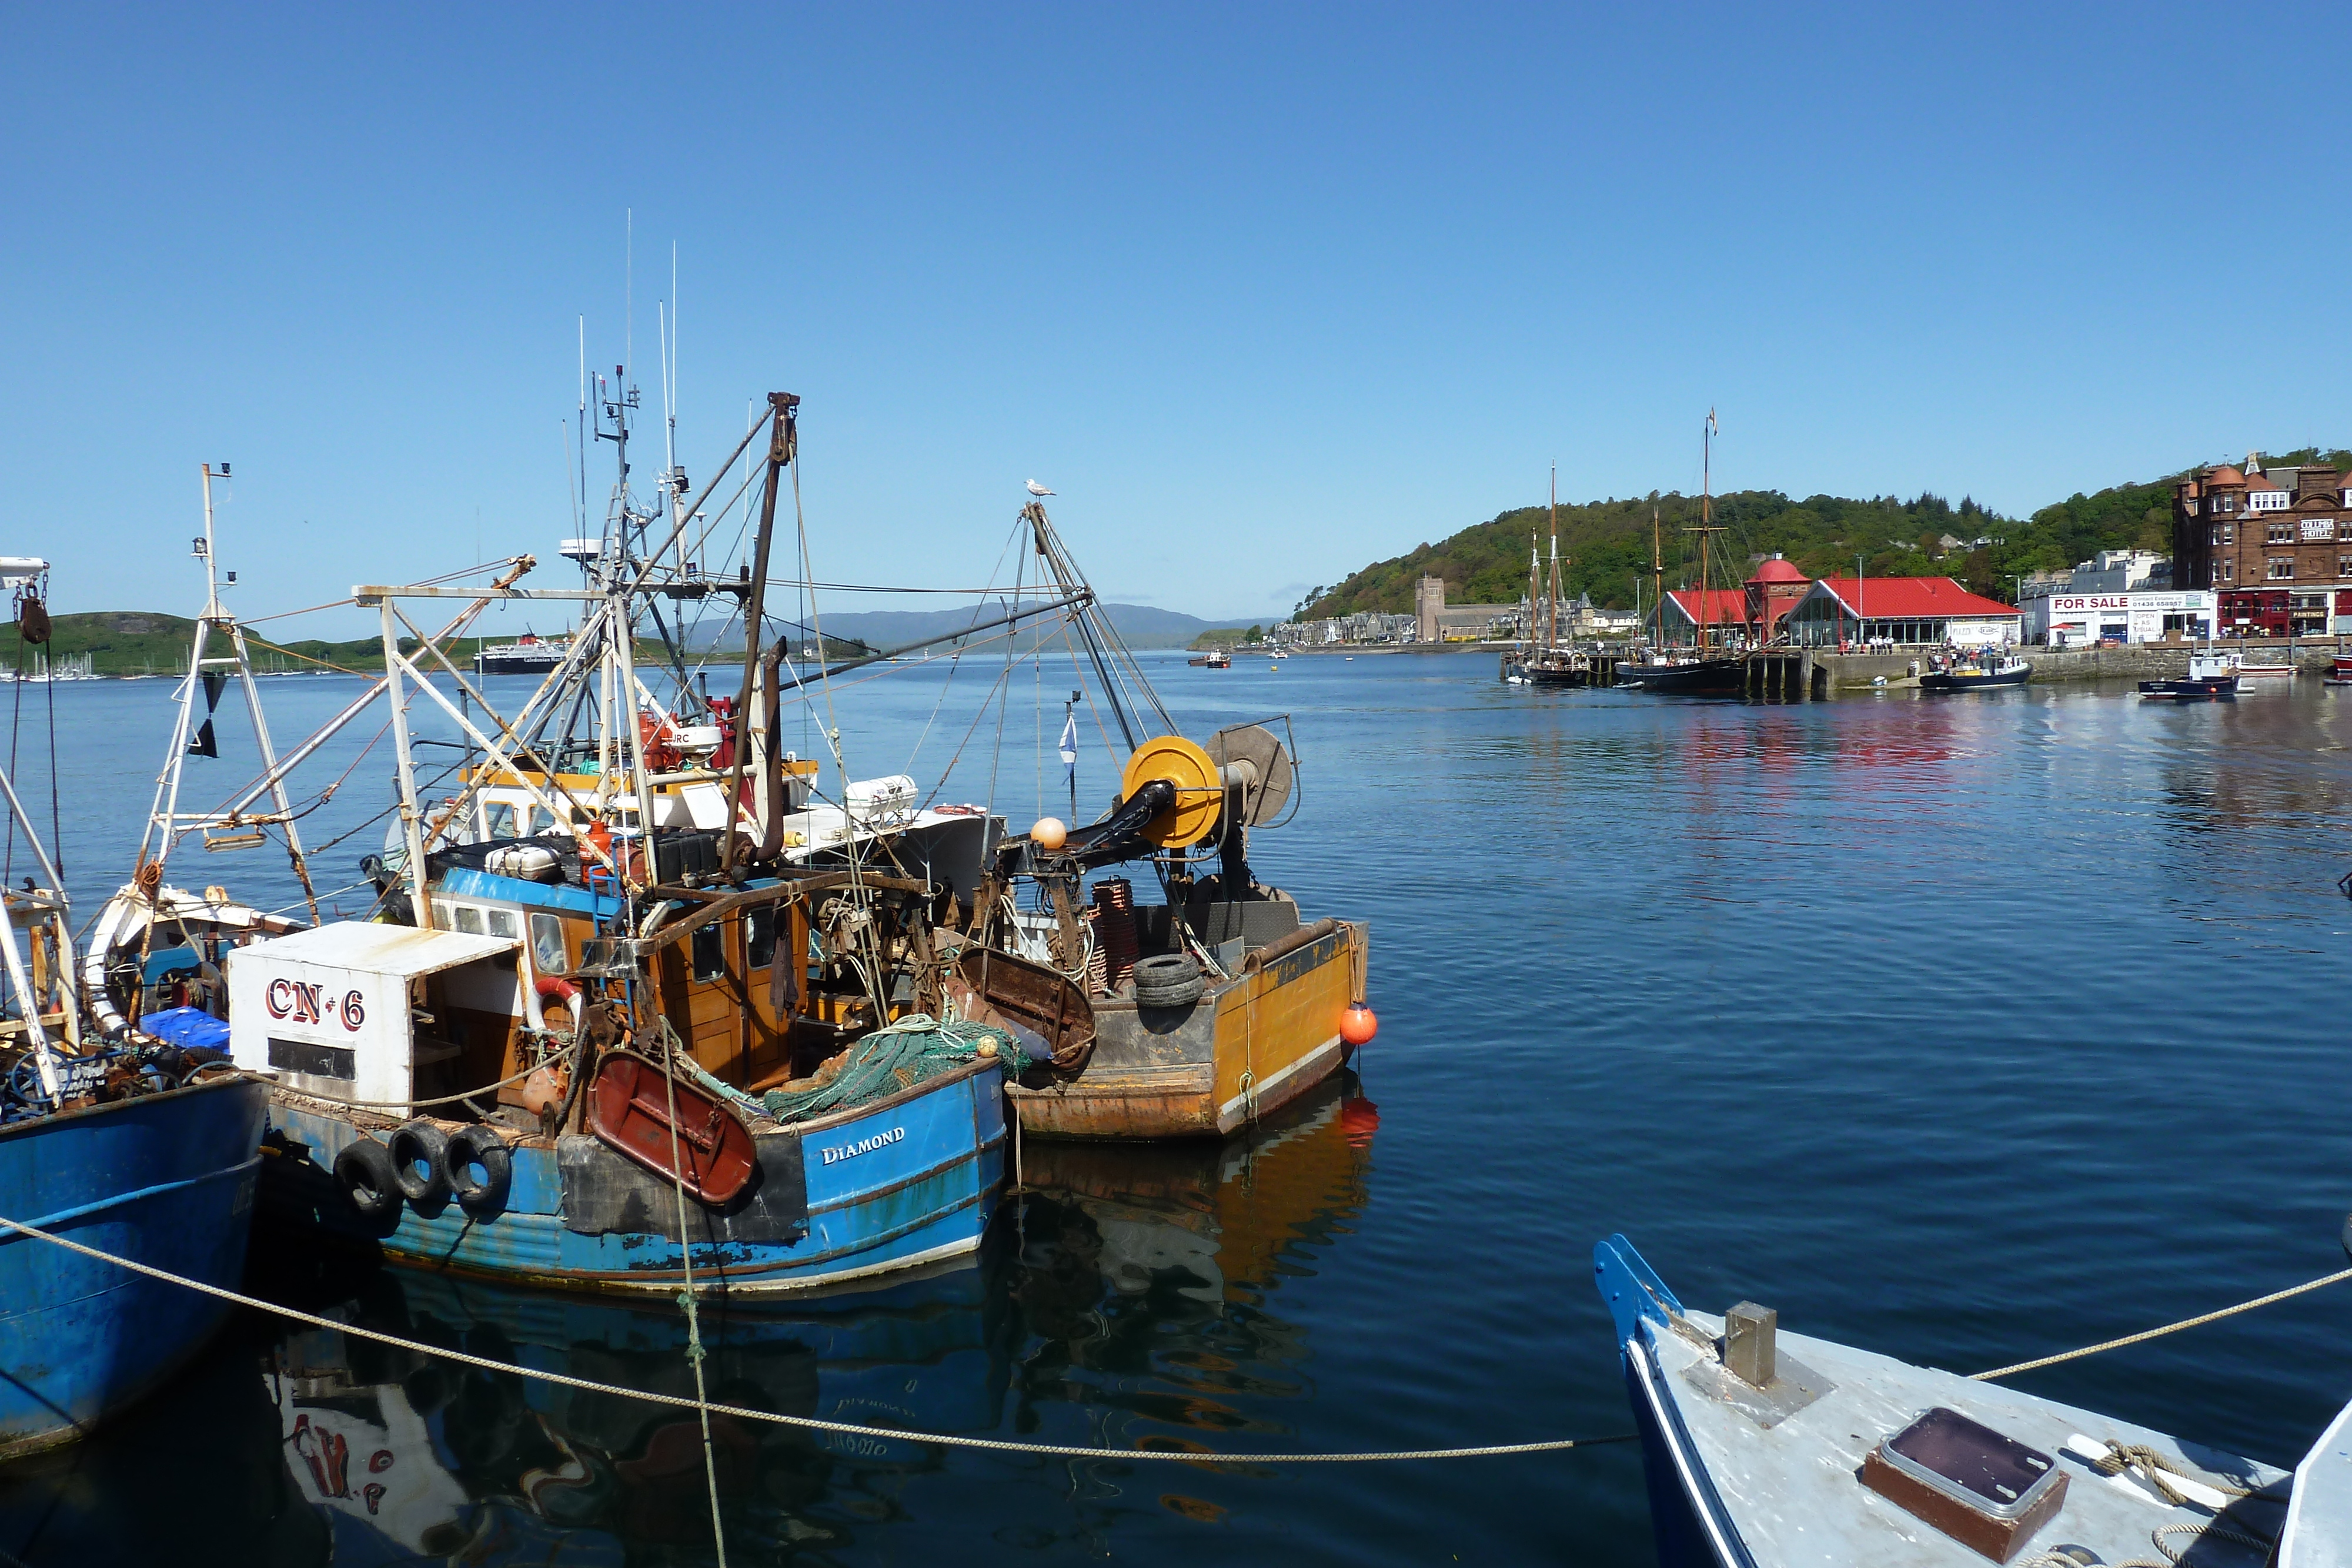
(328, 1009)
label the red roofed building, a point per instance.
(1772, 592)
(1754, 610)
(1908, 611)
(1719, 610)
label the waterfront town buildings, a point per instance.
(1901, 612)
(2273, 545)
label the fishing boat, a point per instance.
(1770, 1449)
(2339, 672)
(634, 1014)
(2211, 677)
(1977, 670)
(525, 655)
(139, 1151)
(1207, 1008)
(1214, 659)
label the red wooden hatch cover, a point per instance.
(629, 1112)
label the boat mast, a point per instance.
(164, 822)
(1535, 571)
(1552, 599)
(1705, 516)
(1657, 578)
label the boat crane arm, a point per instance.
(1082, 597)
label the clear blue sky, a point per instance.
(1264, 292)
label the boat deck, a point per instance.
(1789, 1493)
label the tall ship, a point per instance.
(1706, 669)
(1540, 660)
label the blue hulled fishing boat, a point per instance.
(634, 1010)
(126, 1148)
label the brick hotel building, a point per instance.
(2274, 545)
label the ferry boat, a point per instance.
(1975, 670)
(525, 655)
(2211, 677)
(631, 1014)
(141, 1151)
(1765, 1448)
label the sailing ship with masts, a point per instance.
(1707, 668)
(1541, 660)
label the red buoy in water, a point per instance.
(1358, 1024)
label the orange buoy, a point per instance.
(1358, 1024)
(1049, 834)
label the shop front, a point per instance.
(2088, 620)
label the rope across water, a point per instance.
(809, 1422)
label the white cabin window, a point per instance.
(502, 922)
(501, 819)
(470, 919)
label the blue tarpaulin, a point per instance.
(187, 1027)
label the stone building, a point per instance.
(2274, 544)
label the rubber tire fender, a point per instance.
(420, 1144)
(1167, 980)
(364, 1171)
(477, 1145)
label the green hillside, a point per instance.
(139, 643)
(1607, 544)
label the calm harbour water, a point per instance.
(1964, 1030)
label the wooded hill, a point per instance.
(1606, 545)
(141, 643)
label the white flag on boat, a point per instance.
(1070, 743)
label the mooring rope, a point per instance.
(2340, 1275)
(809, 1422)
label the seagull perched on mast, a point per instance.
(1037, 489)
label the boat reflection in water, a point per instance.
(410, 1456)
(1124, 1301)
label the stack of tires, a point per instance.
(1167, 980)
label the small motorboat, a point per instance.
(2211, 678)
(1977, 670)
(1765, 1449)
(2261, 666)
